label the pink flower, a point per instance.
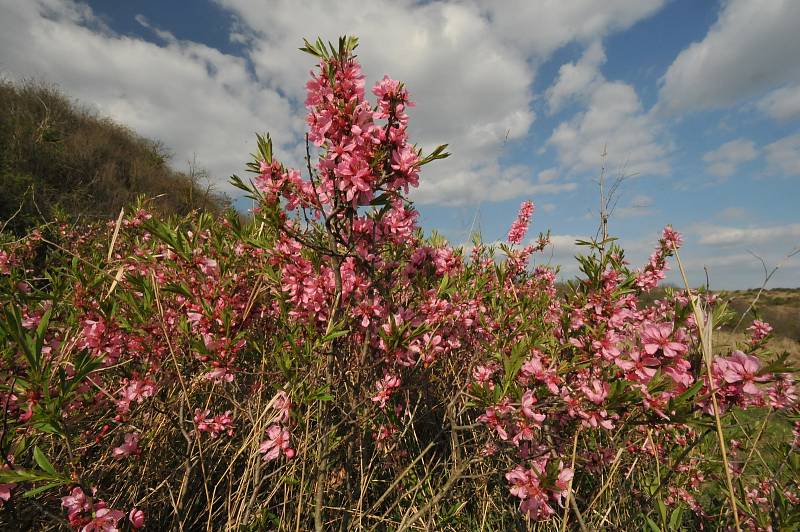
(5, 492)
(607, 347)
(213, 425)
(741, 368)
(483, 375)
(220, 374)
(76, 503)
(136, 517)
(208, 266)
(657, 336)
(520, 226)
(759, 330)
(643, 367)
(104, 520)
(671, 237)
(598, 391)
(282, 403)
(525, 485)
(279, 441)
(528, 400)
(129, 447)
(386, 387)
(564, 476)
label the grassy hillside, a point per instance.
(778, 306)
(58, 157)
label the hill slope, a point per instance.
(58, 157)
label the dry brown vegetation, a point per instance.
(780, 307)
(57, 157)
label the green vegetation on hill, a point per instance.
(56, 157)
(778, 306)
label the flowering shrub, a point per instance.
(323, 364)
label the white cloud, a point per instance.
(194, 98)
(496, 184)
(733, 236)
(783, 156)
(548, 175)
(613, 121)
(733, 213)
(542, 26)
(723, 161)
(639, 205)
(469, 66)
(782, 104)
(577, 79)
(472, 90)
(751, 48)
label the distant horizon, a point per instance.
(697, 103)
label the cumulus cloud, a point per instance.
(194, 98)
(472, 90)
(542, 26)
(613, 121)
(733, 255)
(639, 205)
(783, 156)
(724, 161)
(469, 65)
(782, 104)
(728, 236)
(750, 49)
(577, 79)
(733, 213)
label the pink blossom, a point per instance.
(657, 336)
(129, 447)
(759, 330)
(5, 489)
(5, 492)
(608, 346)
(528, 400)
(220, 374)
(213, 425)
(104, 520)
(136, 517)
(278, 441)
(741, 368)
(598, 391)
(483, 375)
(386, 387)
(283, 404)
(520, 226)
(75, 502)
(643, 367)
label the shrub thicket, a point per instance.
(325, 366)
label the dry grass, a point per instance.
(58, 157)
(780, 307)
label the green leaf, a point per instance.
(653, 526)
(675, 518)
(42, 461)
(438, 153)
(333, 335)
(662, 509)
(50, 485)
(14, 476)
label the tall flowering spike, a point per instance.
(520, 226)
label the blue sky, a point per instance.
(696, 102)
